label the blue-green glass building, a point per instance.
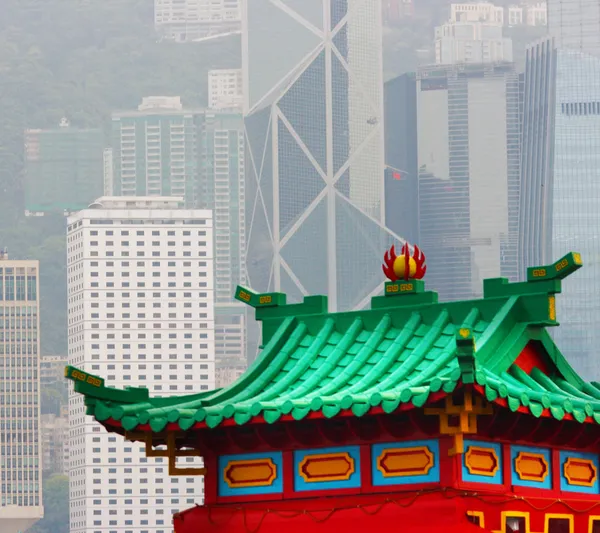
(560, 209)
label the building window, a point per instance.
(9, 289)
(475, 517)
(559, 523)
(516, 523)
(595, 524)
(31, 288)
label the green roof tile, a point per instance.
(404, 349)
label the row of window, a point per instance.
(580, 108)
(125, 253)
(22, 348)
(146, 243)
(142, 285)
(145, 264)
(143, 377)
(18, 323)
(154, 295)
(142, 274)
(143, 356)
(155, 367)
(19, 349)
(172, 316)
(518, 522)
(21, 475)
(155, 233)
(18, 335)
(14, 288)
(169, 221)
(142, 346)
(23, 501)
(18, 311)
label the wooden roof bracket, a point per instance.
(172, 453)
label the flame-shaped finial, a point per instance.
(404, 266)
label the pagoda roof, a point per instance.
(406, 351)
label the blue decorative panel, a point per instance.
(531, 467)
(405, 463)
(579, 472)
(250, 474)
(482, 462)
(327, 468)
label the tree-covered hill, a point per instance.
(80, 59)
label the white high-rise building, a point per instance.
(140, 302)
(471, 42)
(477, 12)
(20, 460)
(192, 20)
(225, 89)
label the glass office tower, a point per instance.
(562, 155)
(469, 154)
(315, 152)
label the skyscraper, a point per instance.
(20, 438)
(575, 25)
(561, 174)
(221, 189)
(63, 169)
(165, 149)
(537, 157)
(140, 297)
(315, 151)
(469, 156)
(402, 172)
(153, 150)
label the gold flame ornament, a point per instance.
(404, 266)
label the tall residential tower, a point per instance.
(153, 150)
(166, 149)
(20, 438)
(221, 189)
(140, 297)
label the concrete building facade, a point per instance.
(52, 369)
(55, 442)
(471, 42)
(141, 311)
(20, 461)
(194, 20)
(477, 12)
(225, 89)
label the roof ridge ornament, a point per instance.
(404, 266)
(560, 269)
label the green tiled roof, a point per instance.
(407, 349)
